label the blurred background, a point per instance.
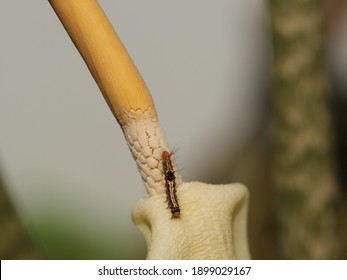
(65, 168)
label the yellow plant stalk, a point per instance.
(213, 218)
(119, 81)
(105, 55)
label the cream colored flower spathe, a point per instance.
(213, 223)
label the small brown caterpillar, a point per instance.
(170, 184)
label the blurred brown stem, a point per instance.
(14, 240)
(303, 166)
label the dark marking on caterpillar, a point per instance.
(170, 185)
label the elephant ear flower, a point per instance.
(213, 223)
(211, 220)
